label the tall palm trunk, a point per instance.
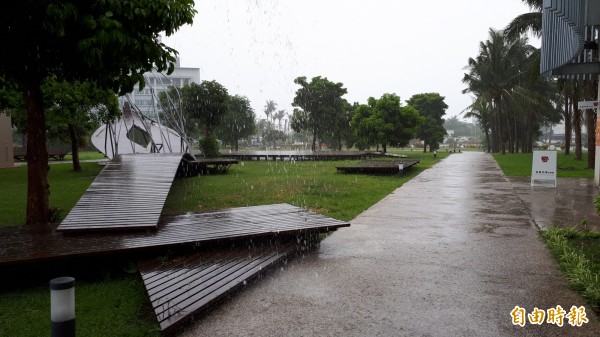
(568, 126)
(500, 126)
(577, 127)
(590, 119)
(575, 94)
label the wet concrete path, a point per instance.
(450, 253)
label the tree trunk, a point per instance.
(500, 128)
(74, 147)
(487, 138)
(38, 190)
(568, 126)
(236, 144)
(384, 148)
(590, 119)
(576, 119)
(511, 145)
(577, 127)
(424, 146)
(314, 140)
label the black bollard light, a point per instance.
(62, 306)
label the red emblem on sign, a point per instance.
(545, 159)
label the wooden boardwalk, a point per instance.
(298, 155)
(378, 166)
(128, 194)
(18, 246)
(182, 286)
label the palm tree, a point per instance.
(482, 110)
(532, 23)
(279, 116)
(509, 105)
(492, 77)
(528, 22)
(270, 108)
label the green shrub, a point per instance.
(209, 146)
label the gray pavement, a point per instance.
(570, 203)
(450, 253)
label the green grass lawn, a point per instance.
(317, 186)
(66, 187)
(87, 155)
(117, 305)
(519, 165)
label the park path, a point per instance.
(450, 253)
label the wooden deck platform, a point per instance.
(299, 155)
(208, 166)
(129, 193)
(18, 246)
(378, 166)
(187, 284)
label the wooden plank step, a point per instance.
(187, 284)
(128, 194)
(20, 246)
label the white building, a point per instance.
(146, 99)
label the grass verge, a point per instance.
(578, 254)
(519, 165)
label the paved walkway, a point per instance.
(450, 253)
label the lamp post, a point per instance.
(62, 306)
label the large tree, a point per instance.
(433, 108)
(206, 103)
(109, 42)
(318, 103)
(238, 122)
(75, 109)
(385, 121)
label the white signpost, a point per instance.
(583, 105)
(543, 168)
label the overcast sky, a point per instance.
(257, 48)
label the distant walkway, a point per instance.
(450, 253)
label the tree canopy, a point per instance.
(511, 105)
(109, 42)
(432, 107)
(385, 121)
(238, 122)
(75, 109)
(207, 103)
(318, 102)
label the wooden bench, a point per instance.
(20, 154)
(378, 166)
(207, 166)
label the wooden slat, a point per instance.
(190, 283)
(377, 166)
(129, 193)
(298, 155)
(18, 246)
